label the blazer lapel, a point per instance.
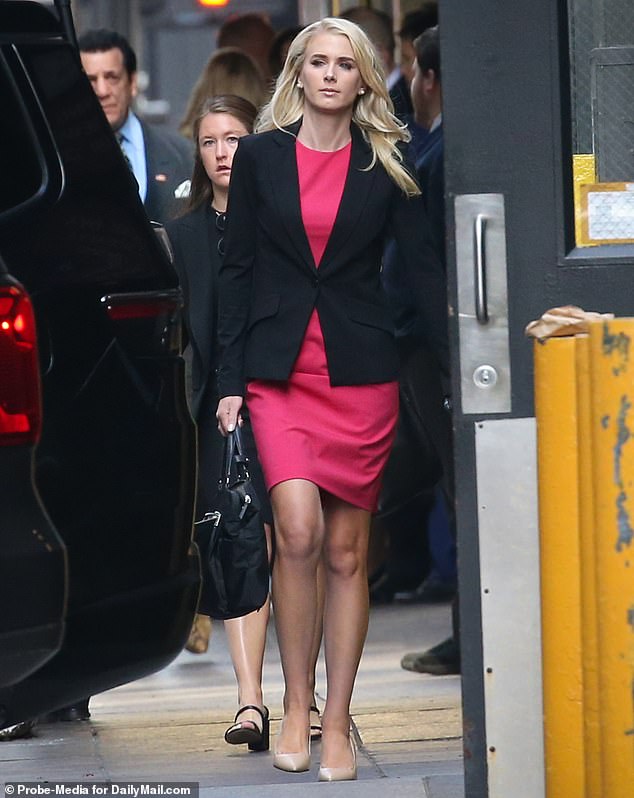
(285, 189)
(357, 189)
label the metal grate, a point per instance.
(613, 112)
(602, 84)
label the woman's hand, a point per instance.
(228, 414)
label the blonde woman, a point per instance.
(306, 336)
(228, 71)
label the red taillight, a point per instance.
(20, 401)
(136, 310)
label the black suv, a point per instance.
(98, 576)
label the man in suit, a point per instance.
(161, 161)
(422, 383)
(412, 25)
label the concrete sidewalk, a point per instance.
(170, 726)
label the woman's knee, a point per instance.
(344, 559)
(298, 520)
(298, 540)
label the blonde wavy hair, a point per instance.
(373, 111)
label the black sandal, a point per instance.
(239, 733)
(315, 724)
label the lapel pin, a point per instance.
(160, 178)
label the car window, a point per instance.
(20, 166)
(94, 230)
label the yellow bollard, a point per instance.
(589, 632)
(612, 375)
(558, 464)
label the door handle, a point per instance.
(484, 352)
(480, 263)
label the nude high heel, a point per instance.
(297, 762)
(292, 763)
(341, 774)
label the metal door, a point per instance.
(538, 155)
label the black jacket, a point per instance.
(429, 168)
(269, 283)
(169, 162)
(401, 98)
(197, 264)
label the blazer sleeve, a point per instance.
(424, 272)
(236, 272)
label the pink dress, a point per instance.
(337, 437)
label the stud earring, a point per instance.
(300, 85)
(361, 91)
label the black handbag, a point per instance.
(235, 559)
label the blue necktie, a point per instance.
(120, 139)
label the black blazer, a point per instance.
(401, 98)
(269, 283)
(169, 161)
(429, 167)
(197, 264)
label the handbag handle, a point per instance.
(234, 454)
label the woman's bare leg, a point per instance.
(319, 628)
(247, 638)
(345, 620)
(299, 531)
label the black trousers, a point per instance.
(423, 392)
(421, 457)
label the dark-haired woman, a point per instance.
(197, 240)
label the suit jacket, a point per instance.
(269, 283)
(197, 264)
(419, 136)
(169, 162)
(401, 98)
(429, 168)
(430, 171)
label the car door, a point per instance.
(115, 465)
